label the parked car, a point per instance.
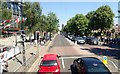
(80, 40)
(73, 38)
(92, 40)
(70, 36)
(90, 65)
(118, 41)
(50, 64)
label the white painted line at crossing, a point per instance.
(113, 64)
(106, 65)
(63, 63)
(69, 57)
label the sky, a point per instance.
(67, 10)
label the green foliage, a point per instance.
(103, 18)
(89, 16)
(5, 12)
(36, 21)
(52, 22)
(77, 25)
(32, 12)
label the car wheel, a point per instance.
(77, 42)
(95, 42)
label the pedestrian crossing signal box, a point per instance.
(105, 60)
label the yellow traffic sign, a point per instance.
(105, 60)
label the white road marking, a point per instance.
(113, 64)
(69, 57)
(69, 41)
(106, 65)
(63, 63)
(100, 57)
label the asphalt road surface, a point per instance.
(70, 51)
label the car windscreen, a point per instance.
(49, 63)
(80, 38)
(99, 67)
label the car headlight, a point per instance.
(56, 70)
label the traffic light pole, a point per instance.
(24, 58)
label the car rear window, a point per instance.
(96, 68)
(49, 63)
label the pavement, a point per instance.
(31, 52)
(9, 41)
(16, 62)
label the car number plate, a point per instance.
(49, 73)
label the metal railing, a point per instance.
(28, 64)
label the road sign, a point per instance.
(105, 60)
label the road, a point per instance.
(69, 51)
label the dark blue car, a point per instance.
(89, 65)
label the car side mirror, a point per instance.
(74, 61)
(58, 56)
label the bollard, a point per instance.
(105, 60)
(75, 42)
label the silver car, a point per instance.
(80, 40)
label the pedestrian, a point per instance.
(44, 40)
(3, 65)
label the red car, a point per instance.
(50, 64)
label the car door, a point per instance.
(81, 67)
(58, 61)
(77, 63)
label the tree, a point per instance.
(103, 18)
(89, 16)
(77, 25)
(52, 23)
(32, 11)
(6, 14)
